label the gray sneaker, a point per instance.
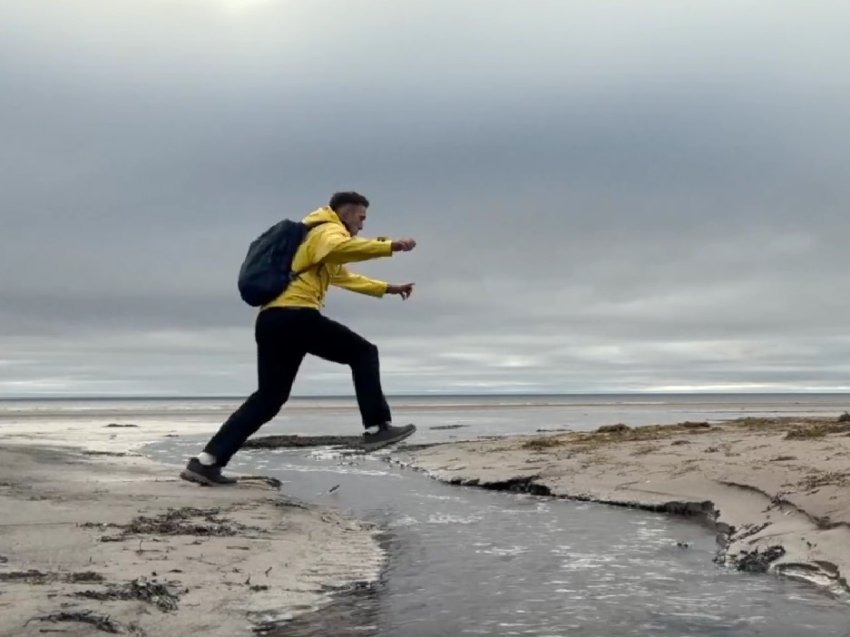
(386, 435)
(207, 475)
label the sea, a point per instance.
(464, 561)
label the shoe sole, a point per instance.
(191, 476)
(374, 446)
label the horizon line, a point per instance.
(707, 392)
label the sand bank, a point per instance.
(91, 542)
(777, 491)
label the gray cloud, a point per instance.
(606, 196)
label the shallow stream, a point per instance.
(465, 561)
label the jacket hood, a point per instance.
(324, 214)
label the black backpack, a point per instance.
(266, 271)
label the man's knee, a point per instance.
(365, 354)
(370, 351)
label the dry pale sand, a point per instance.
(112, 542)
(766, 485)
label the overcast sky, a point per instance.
(607, 196)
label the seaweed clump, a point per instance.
(35, 577)
(755, 562)
(154, 593)
(100, 622)
(817, 430)
(182, 521)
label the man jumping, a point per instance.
(292, 326)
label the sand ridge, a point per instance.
(777, 490)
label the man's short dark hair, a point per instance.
(349, 198)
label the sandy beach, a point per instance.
(777, 491)
(96, 538)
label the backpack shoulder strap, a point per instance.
(310, 226)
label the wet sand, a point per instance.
(776, 490)
(100, 539)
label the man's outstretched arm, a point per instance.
(336, 246)
(341, 277)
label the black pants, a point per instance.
(284, 336)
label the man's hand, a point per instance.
(403, 245)
(402, 290)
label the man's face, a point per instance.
(353, 217)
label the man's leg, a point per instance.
(278, 358)
(337, 343)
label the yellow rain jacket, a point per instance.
(333, 246)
